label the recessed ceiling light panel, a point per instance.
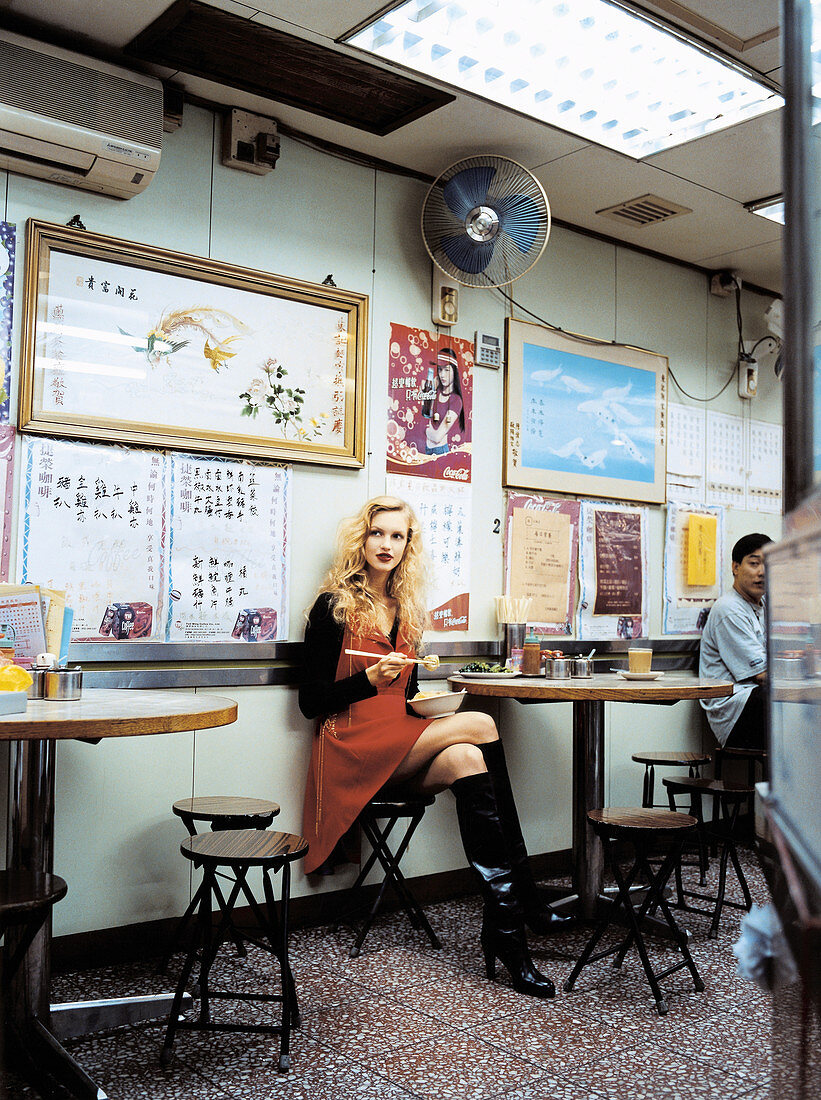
(591, 67)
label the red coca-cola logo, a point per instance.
(455, 475)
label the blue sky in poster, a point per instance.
(586, 416)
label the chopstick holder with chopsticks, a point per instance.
(512, 609)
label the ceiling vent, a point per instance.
(645, 210)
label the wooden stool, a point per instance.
(26, 899)
(225, 812)
(651, 760)
(378, 819)
(220, 812)
(754, 757)
(728, 797)
(645, 829)
(239, 850)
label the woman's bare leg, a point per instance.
(447, 750)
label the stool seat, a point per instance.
(625, 819)
(23, 893)
(674, 759)
(238, 851)
(26, 899)
(734, 792)
(752, 757)
(244, 847)
(226, 811)
(645, 828)
(693, 761)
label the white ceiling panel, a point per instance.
(743, 162)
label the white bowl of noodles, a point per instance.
(437, 704)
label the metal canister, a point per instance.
(37, 689)
(63, 684)
(582, 667)
(557, 668)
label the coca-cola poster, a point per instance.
(430, 404)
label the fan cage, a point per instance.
(505, 186)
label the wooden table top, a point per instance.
(117, 712)
(607, 687)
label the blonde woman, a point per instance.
(373, 600)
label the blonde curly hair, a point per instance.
(347, 579)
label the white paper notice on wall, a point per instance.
(444, 510)
(92, 523)
(764, 467)
(228, 559)
(686, 446)
(726, 467)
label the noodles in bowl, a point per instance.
(437, 704)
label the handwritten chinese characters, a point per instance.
(228, 570)
(93, 525)
(155, 546)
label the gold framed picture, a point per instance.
(583, 417)
(130, 343)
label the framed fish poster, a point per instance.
(584, 417)
(129, 343)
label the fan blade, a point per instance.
(467, 255)
(519, 217)
(468, 189)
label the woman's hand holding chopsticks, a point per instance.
(388, 667)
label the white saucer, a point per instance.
(640, 675)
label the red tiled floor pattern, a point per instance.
(406, 1022)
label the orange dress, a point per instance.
(356, 751)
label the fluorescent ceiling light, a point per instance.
(591, 67)
(771, 208)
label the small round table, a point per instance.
(99, 713)
(588, 696)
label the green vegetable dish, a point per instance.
(482, 666)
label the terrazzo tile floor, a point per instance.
(406, 1022)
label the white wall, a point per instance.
(116, 840)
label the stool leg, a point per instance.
(398, 882)
(647, 793)
(275, 939)
(204, 921)
(660, 902)
(278, 938)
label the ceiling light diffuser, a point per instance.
(771, 208)
(591, 67)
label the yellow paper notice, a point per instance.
(701, 549)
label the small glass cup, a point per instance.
(639, 659)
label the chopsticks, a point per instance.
(512, 609)
(430, 662)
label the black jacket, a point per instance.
(319, 693)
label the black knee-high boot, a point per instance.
(503, 933)
(539, 917)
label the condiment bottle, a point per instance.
(531, 656)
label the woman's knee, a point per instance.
(484, 728)
(461, 759)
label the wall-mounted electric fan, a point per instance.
(485, 221)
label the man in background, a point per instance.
(733, 647)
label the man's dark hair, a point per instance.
(748, 544)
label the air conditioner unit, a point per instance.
(73, 120)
